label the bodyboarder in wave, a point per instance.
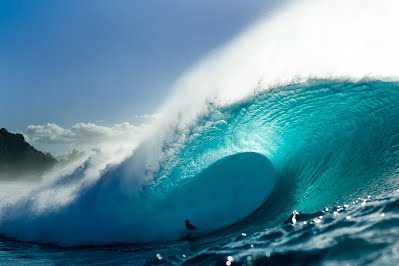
(189, 226)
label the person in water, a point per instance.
(189, 226)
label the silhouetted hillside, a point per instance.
(18, 158)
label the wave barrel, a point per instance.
(222, 194)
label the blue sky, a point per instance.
(75, 61)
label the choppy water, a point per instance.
(362, 232)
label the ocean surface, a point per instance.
(300, 174)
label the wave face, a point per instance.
(298, 147)
(327, 139)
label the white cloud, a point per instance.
(155, 116)
(83, 136)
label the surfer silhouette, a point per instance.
(189, 226)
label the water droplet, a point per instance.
(230, 258)
(228, 263)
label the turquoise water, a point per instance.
(328, 149)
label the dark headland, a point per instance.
(18, 158)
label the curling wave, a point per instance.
(298, 147)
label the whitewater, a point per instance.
(298, 113)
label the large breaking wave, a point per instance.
(247, 137)
(322, 141)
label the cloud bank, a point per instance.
(83, 136)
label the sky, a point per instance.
(105, 62)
